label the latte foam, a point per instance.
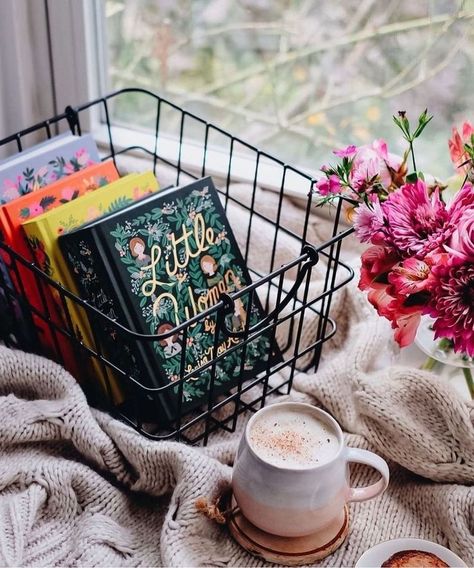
(293, 439)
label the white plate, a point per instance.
(378, 554)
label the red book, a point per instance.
(16, 212)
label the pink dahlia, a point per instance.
(461, 245)
(417, 222)
(452, 305)
(10, 192)
(369, 223)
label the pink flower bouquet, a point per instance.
(420, 258)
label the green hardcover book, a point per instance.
(153, 266)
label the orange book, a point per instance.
(29, 206)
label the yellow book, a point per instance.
(42, 233)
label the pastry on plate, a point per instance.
(414, 559)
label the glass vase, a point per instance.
(440, 352)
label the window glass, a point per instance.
(298, 77)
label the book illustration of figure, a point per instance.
(239, 317)
(137, 248)
(186, 275)
(171, 345)
(209, 267)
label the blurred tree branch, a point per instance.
(389, 88)
(356, 37)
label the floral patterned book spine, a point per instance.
(89, 264)
(29, 206)
(43, 232)
(38, 169)
(18, 211)
(171, 257)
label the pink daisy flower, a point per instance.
(369, 223)
(418, 223)
(452, 305)
(461, 245)
(36, 209)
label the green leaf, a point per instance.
(423, 121)
(412, 178)
(118, 204)
(47, 200)
(403, 123)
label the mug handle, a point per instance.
(368, 458)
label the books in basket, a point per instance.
(45, 163)
(43, 231)
(152, 267)
(16, 212)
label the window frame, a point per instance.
(77, 54)
(78, 39)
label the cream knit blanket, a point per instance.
(79, 488)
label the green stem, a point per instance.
(412, 155)
(469, 380)
(429, 364)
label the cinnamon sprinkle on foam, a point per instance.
(293, 440)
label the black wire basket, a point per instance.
(187, 147)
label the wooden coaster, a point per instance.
(284, 550)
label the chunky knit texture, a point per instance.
(79, 488)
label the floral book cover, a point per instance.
(42, 233)
(155, 265)
(29, 206)
(44, 164)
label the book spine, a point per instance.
(19, 309)
(143, 350)
(42, 242)
(10, 308)
(60, 272)
(6, 237)
(5, 227)
(41, 295)
(94, 275)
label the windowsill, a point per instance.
(217, 160)
(296, 187)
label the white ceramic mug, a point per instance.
(296, 502)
